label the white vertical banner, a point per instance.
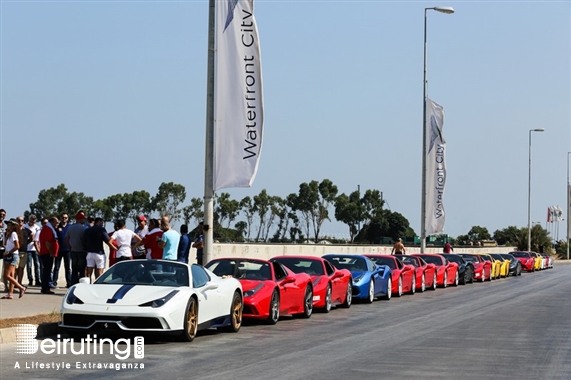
(238, 104)
(435, 168)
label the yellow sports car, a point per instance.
(496, 265)
(505, 268)
(538, 260)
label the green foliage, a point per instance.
(226, 209)
(168, 199)
(57, 200)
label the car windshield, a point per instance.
(497, 256)
(520, 254)
(245, 269)
(410, 261)
(436, 260)
(146, 272)
(297, 265)
(507, 256)
(487, 258)
(348, 262)
(455, 259)
(471, 258)
(390, 262)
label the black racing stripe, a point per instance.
(120, 293)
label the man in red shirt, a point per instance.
(48, 251)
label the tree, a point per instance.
(349, 210)
(227, 209)
(478, 233)
(508, 236)
(247, 207)
(262, 207)
(168, 198)
(57, 200)
(137, 203)
(194, 211)
(327, 194)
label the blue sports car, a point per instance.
(369, 279)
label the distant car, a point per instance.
(505, 267)
(425, 272)
(331, 286)
(482, 268)
(515, 265)
(369, 279)
(548, 259)
(153, 296)
(465, 268)
(538, 260)
(270, 289)
(446, 271)
(402, 276)
(526, 259)
(496, 265)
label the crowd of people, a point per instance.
(38, 250)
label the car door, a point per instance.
(211, 303)
(336, 277)
(289, 290)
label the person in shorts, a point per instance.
(12, 259)
(94, 238)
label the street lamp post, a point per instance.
(568, 190)
(529, 191)
(446, 10)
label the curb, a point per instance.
(8, 335)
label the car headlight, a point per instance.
(71, 298)
(160, 301)
(251, 292)
(358, 278)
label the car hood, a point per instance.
(251, 284)
(119, 295)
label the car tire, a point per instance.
(434, 281)
(456, 279)
(389, 294)
(348, 295)
(327, 307)
(399, 288)
(190, 321)
(371, 295)
(307, 303)
(445, 282)
(413, 285)
(422, 284)
(236, 308)
(274, 316)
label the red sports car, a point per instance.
(526, 259)
(425, 273)
(270, 289)
(402, 275)
(482, 268)
(446, 271)
(331, 286)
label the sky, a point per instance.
(109, 97)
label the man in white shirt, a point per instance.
(33, 230)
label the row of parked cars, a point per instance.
(159, 296)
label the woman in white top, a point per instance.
(11, 259)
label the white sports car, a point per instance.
(154, 296)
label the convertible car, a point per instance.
(331, 286)
(446, 271)
(425, 273)
(369, 280)
(153, 296)
(402, 275)
(270, 289)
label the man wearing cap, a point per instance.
(398, 248)
(142, 230)
(74, 242)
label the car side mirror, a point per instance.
(85, 280)
(288, 280)
(210, 286)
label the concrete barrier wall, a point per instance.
(266, 251)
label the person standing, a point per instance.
(124, 236)
(398, 248)
(11, 259)
(23, 240)
(32, 230)
(3, 228)
(63, 253)
(49, 248)
(142, 230)
(199, 244)
(169, 241)
(183, 245)
(448, 248)
(151, 240)
(94, 238)
(74, 241)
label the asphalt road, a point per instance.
(514, 328)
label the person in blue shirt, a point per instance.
(183, 245)
(169, 241)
